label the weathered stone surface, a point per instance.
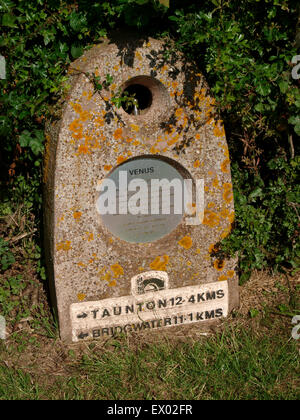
(86, 262)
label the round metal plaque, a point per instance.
(146, 203)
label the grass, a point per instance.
(232, 365)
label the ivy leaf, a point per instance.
(78, 22)
(76, 51)
(8, 20)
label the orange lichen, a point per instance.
(107, 167)
(211, 218)
(213, 248)
(118, 133)
(226, 152)
(90, 236)
(83, 149)
(76, 126)
(99, 122)
(107, 276)
(225, 232)
(219, 265)
(160, 263)
(63, 246)
(222, 278)
(154, 150)
(197, 163)
(231, 217)
(81, 297)
(117, 270)
(230, 273)
(113, 283)
(77, 108)
(138, 55)
(225, 213)
(228, 193)
(186, 242)
(178, 112)
(77, 215)
(81, 264)
(135, 127)
(225, 166)
(219, 129)
(121, 159)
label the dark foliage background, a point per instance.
(244, 48)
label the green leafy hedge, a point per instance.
(244, 48)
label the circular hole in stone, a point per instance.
(139, 93)
(135, 212)
(152, 98)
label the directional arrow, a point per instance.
(82, 336)
(83, 315)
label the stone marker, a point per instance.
(125, 272)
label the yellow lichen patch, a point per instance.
(198, 251)
(81, 264)
(215, 183)
(107, 167)
(186, 242)
(99, 122)
(77, 215)
(77, 107)
(63, 246)
(222, 278)
(135, 127)
(231, 217)
(76, 127)
(90, 236)
(83, 149)
(160, 263)
(225, 232)
(211, 218)
(211, 205)
(121, 159)
(173, 140)
(154, 150)
(117, 270)
(197, 163)
(225, 166)
(228, 193)
(164, 68)
(219, 265)
(225, 213)
(85, 115)
(219, 129)
(230, 273)
(107, 276)
(118, 133)
(226, 152)
(178, 112)
(212, 248)
(81, 297)
(113, 283)
(138, 55)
